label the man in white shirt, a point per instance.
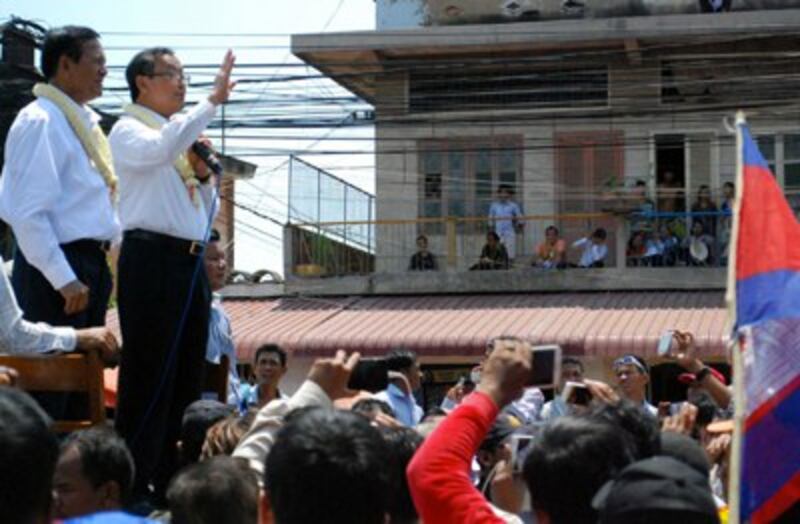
(220, 336)
(633, 375)
(571, 371)
(504, 215)
(404, 379)
(166, 203)
(54, 197)
(594, 249)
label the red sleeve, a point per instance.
(438, 475)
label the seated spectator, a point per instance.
(404, 379)
(657, 490)
(698, 246)
(633, 375)
(269, 367)
(571, 371)
(220, 490)
(94, 473)
(197, 419)
(594, 249)
(28, 454)
(422, 260)
(662, 248)
(726, 221)
(220, 337)
(18, 336)
(493, 255)
(637, 249)
(223, 437)
(644, 206)
(704, 204)
(569, 461)
(401, 444)
(327, 466)
(552, 253)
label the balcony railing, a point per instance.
(455, 244)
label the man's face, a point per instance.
(84, 79)
(503, 195)
(631, 381)
(551, 235)
(164, 90)
(422, 244)
(216, 266)
(414, 376)
(268, 368)
(74, 494)
(570, 373)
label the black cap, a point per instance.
(655, 487)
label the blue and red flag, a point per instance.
(768, 324)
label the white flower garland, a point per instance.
(93, 140)
(181, 163)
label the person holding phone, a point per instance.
(571, 371)
(404, 379)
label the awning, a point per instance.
(594, 324)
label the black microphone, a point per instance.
(208, 156)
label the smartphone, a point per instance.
(546, 364)
(576, 393)
(665, 343)
(370, 374)
(519, 450)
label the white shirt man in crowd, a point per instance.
(504, 216)
(54, 196)
(220, 336)
(166, 203)
(571, 371)
(633, 375)
(594, 248)
(404, 379)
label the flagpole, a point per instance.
(735, 474)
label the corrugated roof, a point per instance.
(599, 324)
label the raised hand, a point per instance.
(222, 82)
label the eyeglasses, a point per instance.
(173, 75)
(629, 360)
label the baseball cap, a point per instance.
(688, 378)
(656, 487)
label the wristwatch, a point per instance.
(702, 374)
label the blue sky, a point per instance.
(257, 243)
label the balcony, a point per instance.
(321, 261)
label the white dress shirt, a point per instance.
(21, 336)
(502, 215)
(50, 192)
(152, 195)
(220, 342)
(591, 252)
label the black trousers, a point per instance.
(41, 303)
(158, 377)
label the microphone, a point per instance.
(208, 156)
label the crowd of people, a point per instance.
(494, 451)
(658, 234)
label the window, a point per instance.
(456, 88)
(782, 152)
(459, 178)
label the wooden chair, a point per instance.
(70, 372)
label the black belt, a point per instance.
(88, 244)
(178, 245)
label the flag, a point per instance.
(767, 322)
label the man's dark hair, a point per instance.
(271, 348)
(572, 361)
(551, 228)
(505, 187)
(402, 443)
(569, 461)
(28, 455)
(220, 490)
(67, 40)
(400, 359)
(104, 458)
(198, 417)
(729, 184)
(367, 406)
(600, 233)
(143, 64)
(641, 427)
(327, 466)
(640, 183)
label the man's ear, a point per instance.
(265, 515)
(111, 494)
(142, 84)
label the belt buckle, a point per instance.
(196, 248)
